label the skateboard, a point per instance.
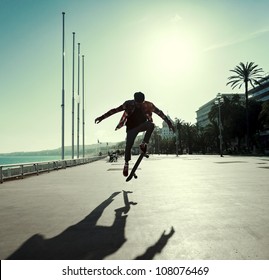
(132, 174)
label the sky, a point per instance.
(178, 53)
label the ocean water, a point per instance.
(25, 159)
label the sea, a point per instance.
(10, 159)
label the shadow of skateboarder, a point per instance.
(84, 240)
(157, 247)
(127, 203)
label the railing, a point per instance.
(20, 170)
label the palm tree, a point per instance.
(245, 74)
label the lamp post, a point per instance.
(219, 100)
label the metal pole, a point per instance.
(177, 142)
(73, 96)
(78, 103)
(63, 93)
(220, 125)
(83, 109)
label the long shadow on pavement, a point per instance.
(84, 240)
(157, 247)
(127, 203)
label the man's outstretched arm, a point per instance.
(109, 113)
(164, 117)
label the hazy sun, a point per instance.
(172, 53)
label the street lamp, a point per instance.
(219, 100)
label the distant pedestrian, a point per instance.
(137, 117)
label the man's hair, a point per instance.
(139, 97)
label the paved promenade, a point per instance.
(186, 207)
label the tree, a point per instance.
(211, 133)
(264, 115)
(245, 74)
(178, 125)
(233, 121)
(155, 141)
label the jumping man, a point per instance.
(137, 117)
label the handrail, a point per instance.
(20, 170)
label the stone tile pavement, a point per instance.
(186, 207)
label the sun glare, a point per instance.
(172, 54)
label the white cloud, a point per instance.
(231, 42)
(176, 18)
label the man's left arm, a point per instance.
(164, 117)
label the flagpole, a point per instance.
(78, 103)
(83, 109)
(63, 93)
(73, 95)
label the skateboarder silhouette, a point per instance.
(137, 117)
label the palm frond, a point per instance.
(245, 73)
(255, 81)
(235, 83)
(232, 77)
(251, 82)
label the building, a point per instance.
(166, 133)
(202, 113)
(261, 92)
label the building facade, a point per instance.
(165, 132)
(261, 92)
(202, 119)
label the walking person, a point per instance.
(137, 117)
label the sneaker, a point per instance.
(143, 147)
(125, 169)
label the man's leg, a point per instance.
(130, 138)
(148, 127)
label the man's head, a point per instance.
(139, 97)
